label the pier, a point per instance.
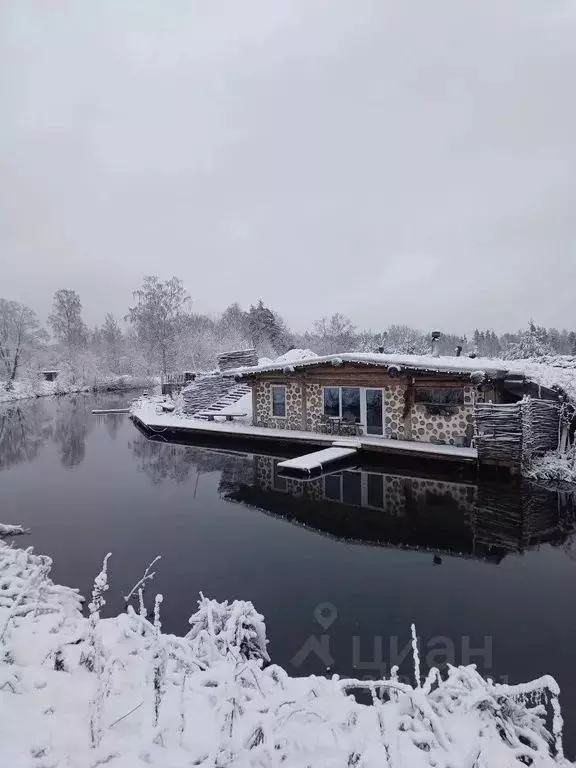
(196, 431)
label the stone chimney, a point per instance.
(435, 349)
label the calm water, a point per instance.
(339, 567)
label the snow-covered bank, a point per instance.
(78, 692)
(24, 389)
(555, 469)
(11, 530)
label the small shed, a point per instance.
(49, 374)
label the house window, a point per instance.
(332, 401)
(342, 402)
(279, 400)
(333, 487)
(350, 399)
(375, 491)
(345, 487)
(438, 396)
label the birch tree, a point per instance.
(66, 320)
(158, 317)
(20, 335)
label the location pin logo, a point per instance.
(325, 614)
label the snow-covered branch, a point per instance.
(208, 698)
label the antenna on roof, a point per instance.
(435, 349)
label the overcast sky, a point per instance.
(410, 161)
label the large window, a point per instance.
(350, 397)
(332, 401)
(278, 400)
(342, 402)
(359, 489)
(438, 396)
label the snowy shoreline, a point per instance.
(81, 691)
(27, 389)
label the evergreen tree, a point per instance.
(266, 328)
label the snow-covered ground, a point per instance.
(84, 691)
(23, 389)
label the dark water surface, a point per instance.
(339, 567)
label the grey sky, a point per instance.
(410, 161)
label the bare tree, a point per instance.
(66, 320)
(20, 334)
(158, 317)
(335, 333)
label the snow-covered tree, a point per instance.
(401, 339)
(532, 342)
(335, 334)
(111, 340)
(267, 330)
(20, 336)
(66, 321)
(158, 318)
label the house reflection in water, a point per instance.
(484, 520)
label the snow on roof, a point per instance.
(461, 365)
(550, 372)
(295, 355)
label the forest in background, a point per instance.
(161, 333)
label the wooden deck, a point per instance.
(177, 426)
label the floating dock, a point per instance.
(102, 411)
(194, 431)
(313, 464)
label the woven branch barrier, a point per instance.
(499, 433)
(540, 427)
(512, 434)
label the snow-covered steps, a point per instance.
(211, 391)
(314, 464)
(224, 403)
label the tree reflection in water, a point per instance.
(113, 422)
(71, 426)
(179, 463)
(23, 432)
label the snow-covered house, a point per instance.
(403, 397)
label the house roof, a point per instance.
(455, 365)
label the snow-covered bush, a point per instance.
(554, 468)
(207, 699)
(225, 629)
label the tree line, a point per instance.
(161, 333)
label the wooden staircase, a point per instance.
(211, 393)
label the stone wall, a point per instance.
(263, 406)
(403, 419)
(314, 406)
(396, 426)
(267, 479)
(454, 426)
